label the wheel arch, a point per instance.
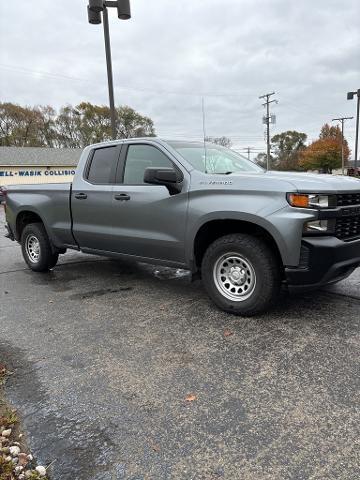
(214, 228)
(25, 217)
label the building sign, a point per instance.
(22, 175)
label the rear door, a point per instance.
(91, 199)
(148, 221)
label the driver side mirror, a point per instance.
(163, 176)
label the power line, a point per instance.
(55, 76)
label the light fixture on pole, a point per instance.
(93, 17)
(123, 8)
(95, 8)
(96, 5)
(350, 96)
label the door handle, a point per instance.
(81, 196)
(122, 196)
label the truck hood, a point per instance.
(317, 183)
(293, 181)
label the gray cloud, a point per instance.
(171, 53)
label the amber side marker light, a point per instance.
(298, 200)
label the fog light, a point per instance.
(319, 226)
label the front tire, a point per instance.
(36, 248)
(241, 274)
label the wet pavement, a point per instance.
(106, 352)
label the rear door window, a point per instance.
(103, 165)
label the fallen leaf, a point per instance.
(228, 333)
(23, 459)
(191, 397)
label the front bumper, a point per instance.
(323, 260)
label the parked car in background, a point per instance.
(353, 172)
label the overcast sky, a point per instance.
(171, 53)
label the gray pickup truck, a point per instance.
(196, 206)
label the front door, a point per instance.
(147, 220)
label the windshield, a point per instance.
(214, 158)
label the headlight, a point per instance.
(310, 200)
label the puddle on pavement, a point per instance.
(56, 281)
(99, 293)
(61, 280)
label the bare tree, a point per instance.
(223, 141)
(72, 127)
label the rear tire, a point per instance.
(241, 274)
(36, 248)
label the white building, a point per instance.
(24, 165)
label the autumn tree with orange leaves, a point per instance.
(324, 154)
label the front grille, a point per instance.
(346, 199)
(348, 228)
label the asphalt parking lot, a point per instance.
(106, 352)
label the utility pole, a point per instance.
(248, 150)
(350, 96)
(342, 120)
(267, 122)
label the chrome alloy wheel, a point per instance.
(32, 247)
(234, 277)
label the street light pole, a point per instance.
(95, 8)
(109, 72)
(350, 96)
(342, 120)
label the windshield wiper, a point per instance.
(223, 173)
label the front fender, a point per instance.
(285, 226)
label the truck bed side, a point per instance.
(49, 202)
